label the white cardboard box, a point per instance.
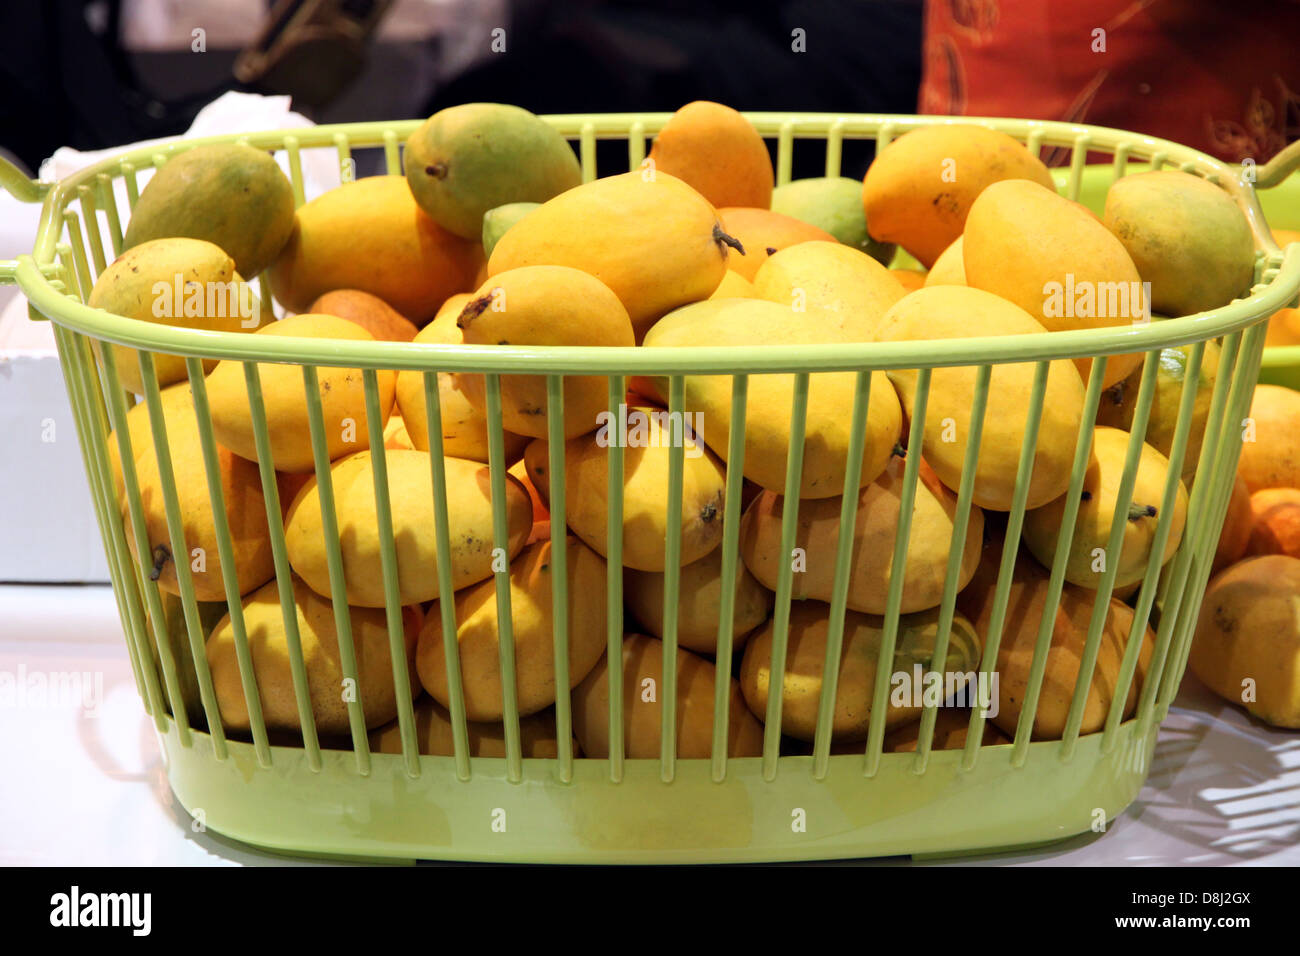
(48, 529)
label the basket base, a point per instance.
(390, 815)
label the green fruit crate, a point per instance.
(308, 799)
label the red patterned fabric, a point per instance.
(1223, 77)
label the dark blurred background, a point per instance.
(97, 73)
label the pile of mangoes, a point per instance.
(491, 239)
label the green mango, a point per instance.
(231, 195)
(832, 203)
(465, 160)
(497, 221)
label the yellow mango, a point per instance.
(642, 662)
(1249, 629)
(875, 528)
(832, 282)
(805, 660)
(174, 398)
(241, 489)
(949, 268)
(410, 491)
(342, 394)
(318, 634)
(1087, 558)
(767, 425)
(1069, 634)
(433, 733)
(1119, 402)
(699, 602)
(646, 449)
(188, 283)
(370, 235)
(715, 150)
(464, 426)
(1187, 237)
(1054, 259)
(920, 187)
(544, 305)
(734, 286)
(531, 614)
(762, 232)
(950, 312)
(368, 311)
(652, 239)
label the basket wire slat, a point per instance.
(616, 808)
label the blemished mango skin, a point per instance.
(763, 232)
(371, 235)
(953, 312)
(920, 188)
(714, 149)
(648, 236)
(1054, 259)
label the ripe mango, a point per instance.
(497, 221)
(343, 400)
(1186, 236)
(186, 283)
(318, 634)
(464, 425)
(370, 235)
(651, 432)
(951, 729)
(467, 159)
(920, 187)
(410, 490)
(1238, 526)
(940, 312)
(762, 232)
(1248, 638)
(832, 203)
(652, 239)
(699, 602)
(832, 282)
(949, 268)
(863, 633)
(241, 488)
(176, 400)
(478, 633)
(1054, 259)
(1119, 402)
(433, 732)
(368, 311)
(734, 286)
(715, 150)
(1087, 558)
(1069, 630)
(544, 305)
(1270, 451)
(229, 194)
(642, 717)
(817, 533)
(767, 425)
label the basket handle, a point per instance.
(1279, 167)
(18, 185)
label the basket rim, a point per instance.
(44, 280)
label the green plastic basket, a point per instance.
(351, 802)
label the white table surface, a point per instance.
(78, 790)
